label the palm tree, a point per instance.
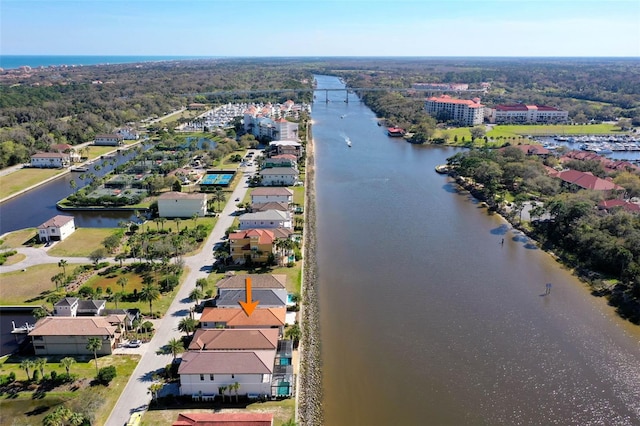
(39, 364)
(27, 365)
(155, 389)
(93, 345)
(196, 294)
(218, 196)
(175, 346)
(117, 297)
(235, 387)
(188, 325)
(149, 293)
(122, 282)
(67, 362)
(202, 283)
(58, 279)
(63, 264)
(221, 391)
(195, 219)
(162, 220)
(294, 333)
(177, 220)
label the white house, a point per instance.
(267, 195)
(128, 133)
(182, 204)
(111, 139)
(73, 307)
(57, 228)
(50, 160)
(266, 220)
(203, 373)
(279, 176)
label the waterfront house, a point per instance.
(237, 318)
(231, 282)
(61, 335)
(110, 139)
(52, 160)
(65, 148)
(258, 244)
(281, 147)
(56, 229)
(128, 133)
(586, 180)
(261, 207)
(276, 194)
(224, 419)
(284, 160)
(232, 339)
(202, 373)
(279, 176)
(269, 298)
(266, 220)
(74, 307)
(182, 204)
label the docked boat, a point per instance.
(443, 169)
(79, 169)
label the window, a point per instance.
(211, 377)
(202, 377)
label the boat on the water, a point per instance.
(395, 132)
(443, 169)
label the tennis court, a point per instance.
(217, 179)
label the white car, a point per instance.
(135, 343)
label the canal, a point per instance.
(426, 318)
(39, 204)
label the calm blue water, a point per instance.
(17, 61)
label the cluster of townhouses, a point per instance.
(232, 348)
(465, 112)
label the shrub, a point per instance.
(106, 375)
(54, 375)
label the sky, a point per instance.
(321, 27)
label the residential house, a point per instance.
(261, 207)
(110, 139)
(538, 150)
(276, 282)
(281, 147)
(128, 133)
(284, 160)
(609, 205)
(586, 180)
(266, 220)
(65, 148)
(53, 160)
(237, 318)
(268, 298)
(202, 373)
(61, 335)
(279, 176)
(57, 228)
(74, 307)
(258, 244)
(182, 204)
(224, 419)
(233, 339)
(277, 194)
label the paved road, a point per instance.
(134, 397)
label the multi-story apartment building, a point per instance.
(463, 112)
(530, 114)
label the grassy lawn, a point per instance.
(24, 178)
(21, 238)
(30, 407)
(97, 151)
(30, 287)
(282, 412)
(81, 242)
(298, 195)
(552, 129)
(12, 260)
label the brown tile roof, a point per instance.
(236, 317)
(234, 362)
(234, 339)
(50, 155)
(257, 281)
(272, 205)
(56, 221)
(224, 419)
(265, 236)
(587, 180)
(73, 326)
(610, 204)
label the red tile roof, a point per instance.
(235, 339)
(449, 100)
(56, 221)
(224, 419)
(236, 317)
(610, 204)
(587, 180)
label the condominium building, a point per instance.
(521, 113)
(463, 112)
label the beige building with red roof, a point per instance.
(529, 114)
(70, 335)
(464, 112)
(257, 244)
(237, 318)
(586, 180)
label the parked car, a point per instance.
(135, 343)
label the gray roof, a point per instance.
(266, 297)
(279, 171)
(273, 281)
(266, 215)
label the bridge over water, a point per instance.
(346, 90)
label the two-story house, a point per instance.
(266, 220)
(258, 244)
(62, 335)
(56, 229)
(275, 194)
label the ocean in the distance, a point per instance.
(34, 61)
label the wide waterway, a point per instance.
(426, 318)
